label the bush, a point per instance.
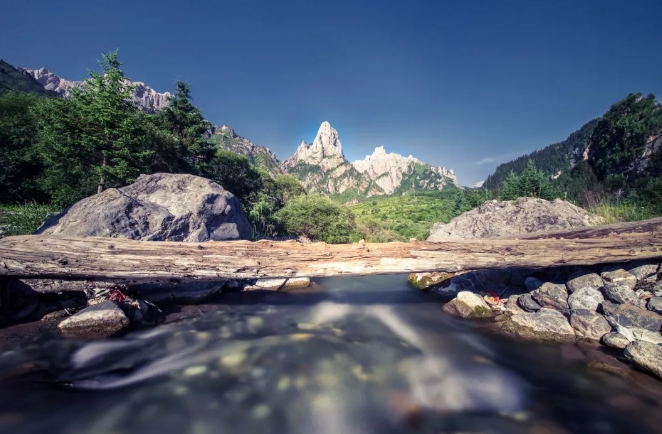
(318, 218)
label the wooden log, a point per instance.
(68, 257)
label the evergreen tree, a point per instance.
(190, 151)
(98, 137)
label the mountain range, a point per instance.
(321, 165)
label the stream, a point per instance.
(352, 355)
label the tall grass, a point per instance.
(23, 219)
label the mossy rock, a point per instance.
(428, 281)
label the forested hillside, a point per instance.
(551, 159)
(614, 162)
(13, 79)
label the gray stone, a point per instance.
(468, 305)
(646, 356)
(546, 324)
(619, 276)
(655, 305)
(527, 303)
(615, 340)
(158, 207)
(628, 315)
(532, 283)
(512, 218)
(585, 298)
(98, 321)
(620, 293)
(644, 269)
(278, 284)
(583, 279)
(552, 295)
(639, 334)
(589, 324)
(512, 305)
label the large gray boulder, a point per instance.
(512, 218)
(158, 207)
(646, 356)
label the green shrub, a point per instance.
(318, 218)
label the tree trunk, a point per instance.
(102, 183)
(72, 257)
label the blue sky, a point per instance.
(464, 84)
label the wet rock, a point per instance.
(583, 279)
(615, 340)
(98, 321)
(468, 305)
(655, 305)
(589, 324)
(646, 356)
(586, 297)
(532, 283)
(546, 324)
(619, 293)
(425, 281)
(552, 295)
(278, 284)
(628, 315)
(645, 269)
(21, 301)
(619, 276)
(527, 303)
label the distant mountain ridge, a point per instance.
(225, 138)
(323, 168)
(12, 78)
(143, 95)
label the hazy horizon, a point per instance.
(465, 86)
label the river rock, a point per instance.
(158, 207)
(527, 303)
(425, 281)
(583, 279)
(646, 356)
(98, 321)
(512, 218)
(619, 276)
(615, 340)
(628, 315)
(644, 269)
(546, 324)
(512, 305)
(278, 284)
(586, 297)
(552, 295)
(655, 305)
(532, 283)
(589, 324)
(468, 305)
(619, 293)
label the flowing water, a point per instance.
(361, 355)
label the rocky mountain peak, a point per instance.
(325, 151)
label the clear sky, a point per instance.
(465, 84)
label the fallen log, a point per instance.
(78, 258)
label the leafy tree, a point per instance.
(318, 218)
(20, 165)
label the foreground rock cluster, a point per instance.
(619, 305)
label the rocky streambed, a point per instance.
(364, 355)
(618, 305)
